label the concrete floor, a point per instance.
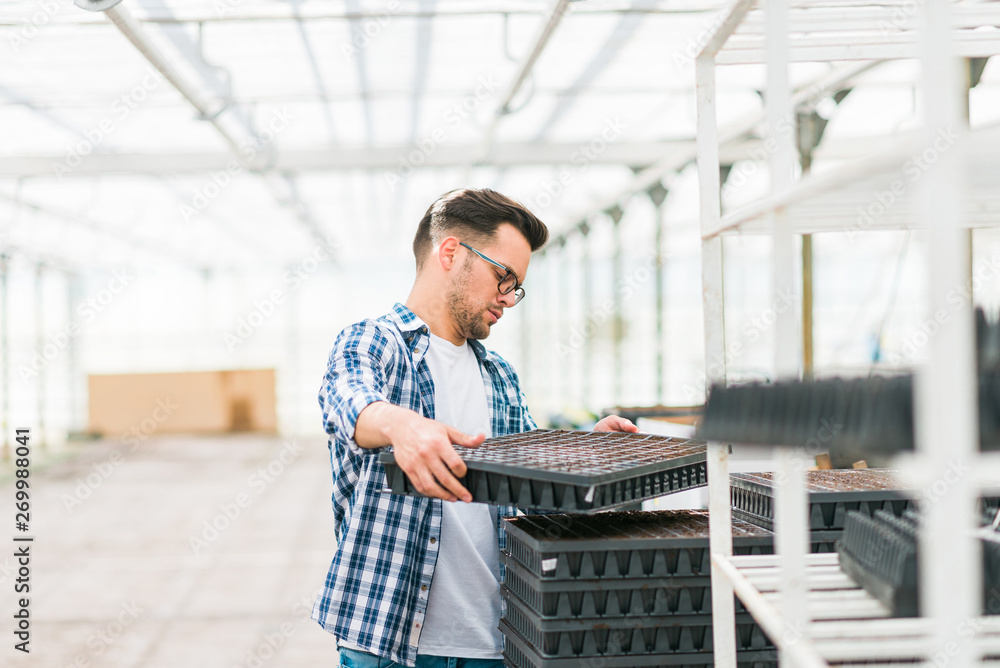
(128, 570)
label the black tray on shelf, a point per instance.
(609, 636)
(629, 544)
(855, 417)
(882, 558)
(572, 471)
(991, 576)
(823, 541)
(832, 493)
(519, 653)
(881, 553)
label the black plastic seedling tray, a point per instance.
(519, 653)
(556, 638)
(572, 471)
(618, 597)
(629, 544)
(854, 417)
(832, 494)
(881, 556)
(991, 577)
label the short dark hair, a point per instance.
(476, 214)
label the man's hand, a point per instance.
(616, 423)
(423, 448)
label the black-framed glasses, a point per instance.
(508, 283)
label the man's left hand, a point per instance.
(616, 423)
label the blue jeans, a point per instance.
(352, 658)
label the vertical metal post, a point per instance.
(618, 330)
(972, 70)
(551, 362)
(807, 305)
(588, 334)
(5, 357)
(807, 288)
(714, 310)
(808, 136)
(525, 370)
(658, 194)
(791, 500)
(291, 380)
(72, 291)
(40, 334)
(562, 307)
(946, 397)
(780, 127)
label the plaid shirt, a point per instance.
(375, 594)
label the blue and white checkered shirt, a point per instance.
(375, 595)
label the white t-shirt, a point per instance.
(463, 605)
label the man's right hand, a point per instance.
(423, 448)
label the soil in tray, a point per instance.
(836, 480)
(581, 452)
(626, 525)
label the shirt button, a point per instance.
(434, 540)
(423, 587)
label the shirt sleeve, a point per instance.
(355, 378)
(527, 422)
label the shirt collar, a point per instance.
(414, 329)
(406, 320)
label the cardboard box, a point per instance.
(198, 402)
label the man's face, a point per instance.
(476, 303)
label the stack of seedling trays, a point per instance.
(832, 495)
(572, 471)
(618, 590)
(881, 553)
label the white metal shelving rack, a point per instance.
(815, 615)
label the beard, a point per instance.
(467, 314)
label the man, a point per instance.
(415, 581)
